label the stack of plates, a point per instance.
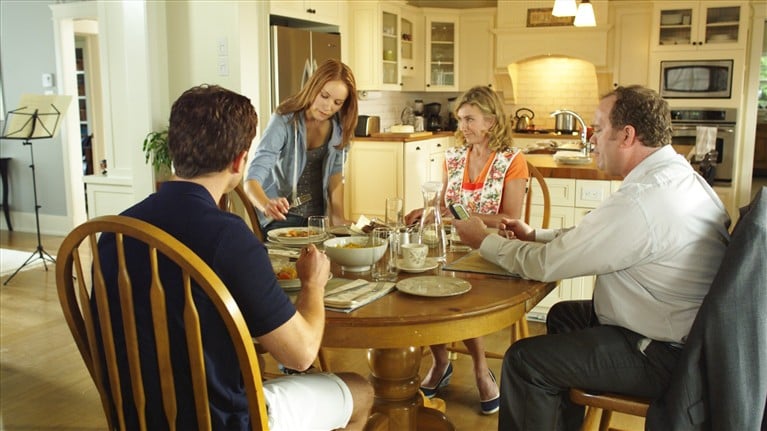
(296, 236)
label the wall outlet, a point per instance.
(592, 195)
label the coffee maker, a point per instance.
(433, 120)
(452, 122)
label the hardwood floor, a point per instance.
(45, 385)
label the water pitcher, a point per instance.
(432, 232)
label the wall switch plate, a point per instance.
(47, 80)
(223, 66)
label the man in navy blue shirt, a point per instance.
(211, 130)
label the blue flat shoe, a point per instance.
(443, 381)
(491, 406)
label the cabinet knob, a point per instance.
(311, 10)
(428, 85)
(490, 85)
(439, 145)
(418, 148)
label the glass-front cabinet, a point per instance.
(441, 53)
(390, 48)
(700, 25)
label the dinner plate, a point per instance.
(294, 235)
(302, 242)
(433, 286)
(429, 263)
(572, 160)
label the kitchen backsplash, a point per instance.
(390, 104)
(542, 85)
(550, 83)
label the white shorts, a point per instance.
(308, 402)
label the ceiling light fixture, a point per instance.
(564, 8)
(585, 15)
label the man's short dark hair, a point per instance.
(209, 127)
(646, 111)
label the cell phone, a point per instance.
(459, 211)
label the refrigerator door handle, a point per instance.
(307, 72)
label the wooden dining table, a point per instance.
(395, 327)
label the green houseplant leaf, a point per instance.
(156, 150)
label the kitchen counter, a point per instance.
(399, 137)
(545, 136)
(551, 169)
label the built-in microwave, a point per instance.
(696, 79)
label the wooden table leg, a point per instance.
(394, 375)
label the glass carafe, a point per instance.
(431, 230)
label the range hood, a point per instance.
(517, 44)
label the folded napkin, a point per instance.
(354, 294)
(474, 262)
(283, 252)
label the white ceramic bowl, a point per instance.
(353, 259)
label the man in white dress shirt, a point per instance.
(654, 246)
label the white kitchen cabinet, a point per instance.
(381, 169)
(412, 45)
(477, 47)
(442, 30)
(686, 25)
(376, 171)
(322, 11)
(386, 45)
(632, 26)
(571, 200)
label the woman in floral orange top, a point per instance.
(488, 176)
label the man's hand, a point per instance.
(515, 228)
(313, 268)
(472, 231)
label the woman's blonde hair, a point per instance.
(329, 70)
(488, 102)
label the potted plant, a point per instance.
(156, 150)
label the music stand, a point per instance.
(38, 118)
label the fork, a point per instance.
(300, 200)
(379, 285)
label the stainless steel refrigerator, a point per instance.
(296, 54)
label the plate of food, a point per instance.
(287, 276)
(295, 235)
(433, 286)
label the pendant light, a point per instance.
(564, 8)
(585, 15)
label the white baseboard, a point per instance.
(49, 224)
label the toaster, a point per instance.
(367, 125)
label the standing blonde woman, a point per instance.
(303, 150)
(488, 176)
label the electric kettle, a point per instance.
(522, 120)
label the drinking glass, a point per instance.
(385, 268)
(394, 212)
(318, 225)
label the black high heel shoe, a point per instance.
(443, 381)
(492, 405)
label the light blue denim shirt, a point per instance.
(277, 154)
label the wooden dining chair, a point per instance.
(99, 352)
(520, 329)
(600, 407)
(237, 202)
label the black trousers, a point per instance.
(577, 352)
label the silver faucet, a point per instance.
(585, 145)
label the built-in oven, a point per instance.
(685, 122)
